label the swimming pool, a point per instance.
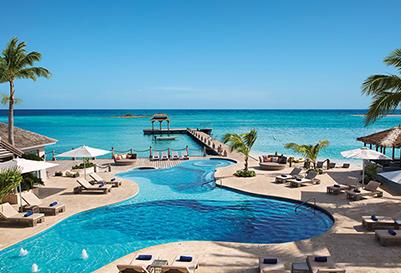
(176, 204)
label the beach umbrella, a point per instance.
(364, 154)
(84, 152)
(25, 166)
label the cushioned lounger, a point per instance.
(178, 266)
(9, 215)
(385, 238)
(377, 222)
(137, 265)
(266, 265)
(86, 186)
(33, 201)
(323, 264)
(284, 177)
(100, 180)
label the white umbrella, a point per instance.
(25, 166)
(364, 154)
(84, 152)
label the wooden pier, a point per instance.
(173, 131)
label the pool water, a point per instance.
(176, 204)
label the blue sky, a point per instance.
(202, 54)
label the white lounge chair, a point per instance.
(184, 156)
(164, 156)
(284, 177)
(33, 202)
(180, 265)
(271, 265)
(371, 189)
(9, 215)
(137, 264)
(155, 156)
(310, 178)
(100, 180)
(175, 156)
(86, 186)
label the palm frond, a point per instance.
(382, 104)
(5, 99)
(377, 84)
(394, 59)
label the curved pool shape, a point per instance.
(176, 204)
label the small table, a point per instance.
(156, 266)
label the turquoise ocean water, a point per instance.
(100, 129)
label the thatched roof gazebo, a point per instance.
(381, 140)
(160, 118)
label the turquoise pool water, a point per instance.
(98, 128)
(176, 204)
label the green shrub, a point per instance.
(30, 181)
(84, 165)
(9, 180)
(370, 172)
(245, 173)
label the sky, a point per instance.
(202, 54)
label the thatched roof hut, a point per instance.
(160, 117)
(387, 138)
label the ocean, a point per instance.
(102, 129)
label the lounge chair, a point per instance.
(184, 156)
(319, 164)
(284, 177)
(139, 264)
(345, 165)
(310, 178)
(332, 165)
(181, 264)
(155, 156)
(86, 186)
(34, 203)
(9, 215)
(164, 156)
(323, 264)
(175, 156)
(338, 188)
(388, 237)
(369, 190)
(271, 265)
(100, 180)
(378, 222)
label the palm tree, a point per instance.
(384, 89)
(242, 143)
(310, 152)
(16, 63)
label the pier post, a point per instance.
(150, 152)
(393, 153)
(168, 152)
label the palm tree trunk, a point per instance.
(246, 163)
(11, 115)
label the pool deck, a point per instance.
(350, 246)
